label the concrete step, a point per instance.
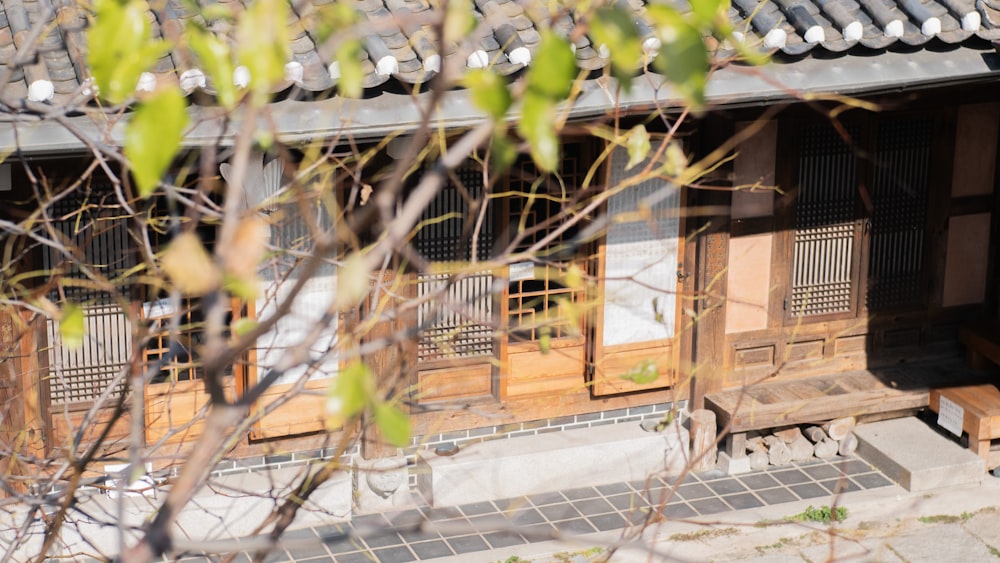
(916, 456)
(550, 462)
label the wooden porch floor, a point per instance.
(866, 394)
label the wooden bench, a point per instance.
(980, 404)
(868, 394)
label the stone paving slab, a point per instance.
(480, 529)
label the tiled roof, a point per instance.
(400, 47)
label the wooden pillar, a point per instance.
(703, 436)
(710, 283)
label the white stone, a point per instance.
(651, 45)
(381, 484)
(386, 66)
(478, 59)
(775, 39)
(815, 34)
(931, 27)
(894, 28)
(241, 77)
(853, 31)
(294, 71)
(41, 91)
(432, 63)
(971, 21)
(548, 462)
(916, 456)
(734, 466)
(334, 70)
(191, 79)
(520, 56)
(146, 83)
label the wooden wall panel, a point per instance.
(619, 360)
(975, 150)
(967, 260)
(753, 171)
(304, 412)
(749, 267)
(534, 373)
(460, 382)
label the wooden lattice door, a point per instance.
(545, 343)
(860, 219)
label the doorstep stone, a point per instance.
(916, 456)
(553, 461)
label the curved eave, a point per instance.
(305, 121)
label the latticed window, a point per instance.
(94, 233)
(456, 311)
(860, 216)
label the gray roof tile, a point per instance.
(401, 30)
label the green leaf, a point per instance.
(71, 326)
(262, 44)
(459, 21)
(707, 12)
(503, 153)
(683, 57)
(352, 77)
(243, 326)
(644, 373)
(615, 29)
(349, 393)
(545, 339)
(120, 47)
(217, 60)
(537, 126)
(638, 146)
(153, 137)
(394, 424)
(489, 92)
(352, 282)
(553, 68)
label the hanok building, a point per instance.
(822, 249)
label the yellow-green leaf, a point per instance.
(352, 282)
(189, 266)
(71, 326)
(120, 47)
(643, 373)
(262, 44)
(614, 28)
(537, 126)
(350, 81)
(683, 57)
(243, 326)
(638, 146)
(502, 152)
(350, 392)
(707, 12)
(489, 92)
(394, 424)
(217, 60)
(545, 339)
(153, 137)
(459, 21)
(553, 68)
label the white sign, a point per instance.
(522, 271)
(158, 309)
(950, 416)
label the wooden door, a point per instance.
(545, 345)
(640, 270)
(860, 219)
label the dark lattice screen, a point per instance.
(92, 228)
(899, 193)
(456, 312)
(823, 258)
